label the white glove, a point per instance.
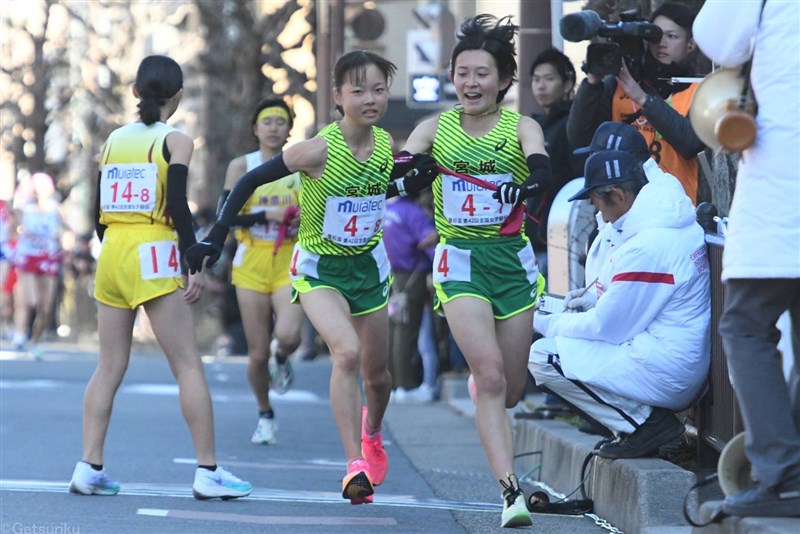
(580, 300)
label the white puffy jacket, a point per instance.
(763, 239)
(648, 336)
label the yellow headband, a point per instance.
(274, 111)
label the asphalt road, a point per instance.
(439, 481)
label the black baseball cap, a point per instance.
(617, 136)
(607, 167)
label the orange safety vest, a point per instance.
(685, 170)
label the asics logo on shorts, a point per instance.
(386, 289)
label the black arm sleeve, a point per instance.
(99, 228)
(221, 202)
(541, 174)
(177, 207)
(592, 105)
(245, 221)
(673, 127)
(267, 172)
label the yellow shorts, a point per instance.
(137, 263)
(255, 267)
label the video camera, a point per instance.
(627, 40)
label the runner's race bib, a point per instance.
(352, 221)
(128, 187)
(467, 204)
(267, 231)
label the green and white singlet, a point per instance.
(342, 210)
(463, 210)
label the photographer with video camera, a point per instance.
(631, 80)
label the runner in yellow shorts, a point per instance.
(141, 213)
(266, 236)
(127, 275)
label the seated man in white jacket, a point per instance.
(616, 136)
(638, 348)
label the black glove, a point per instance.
(210, 246)
(514, 194)
(422, 170)
(423, 174)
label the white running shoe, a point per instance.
(515, 511)
(87, 481)
(282, 374)
(421, 395)
(265, 431)
(218, 484)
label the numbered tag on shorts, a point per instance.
(451, 264)
(128, 187)
(159, 259)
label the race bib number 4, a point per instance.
(466, 204)
(353, 221)
(128, 187)
(159, 259)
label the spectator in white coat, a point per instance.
(638, 349)
(615, 136)
(761, 262)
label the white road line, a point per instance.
(30, 384)
(286, 464)
(270, 519)
(162, 389)
(260, 494)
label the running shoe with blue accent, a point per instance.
(218, 484)
(88, 481)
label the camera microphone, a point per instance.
(581, 26)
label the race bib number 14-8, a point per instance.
(128, 187)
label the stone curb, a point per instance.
(642, 495)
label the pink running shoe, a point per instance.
(373, 451)
(356, 485)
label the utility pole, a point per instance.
(330, 45)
